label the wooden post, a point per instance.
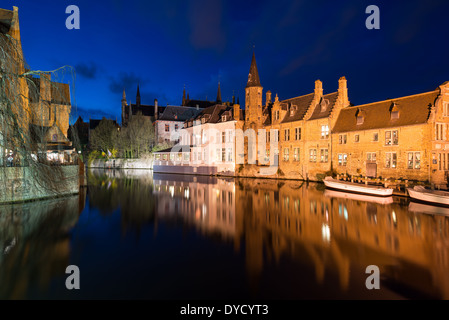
(366, 180)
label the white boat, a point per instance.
(432, 196)
(427, 208)
(347, 186)
(357, 197)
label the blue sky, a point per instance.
(164, 45)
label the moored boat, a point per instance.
(431, 196)
(357, 197)
(347, 186)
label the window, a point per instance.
(391, 138)
(167, 128)
(446, 109)
(342, 139)
(229, 135)
(203, 120)
(286, 154)
(440, 131)
(360, 119)
(229, 154)
(296, 154)
(356, 138)
(390, 160)
(324, 155)
(199, 155)
(268, 136)
(312, 157)
(276, 135)
(287, 134)
(342, 159)
(223, 154)
(371, 156)
(414, 160)
(223, 118)
(176, 127)
(276, 114)
(375, 137)
(217, 155)
(394, 115)
(324, 132)
(223, 137)
(297, 133)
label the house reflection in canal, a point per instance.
(337, 234)
(35, 243)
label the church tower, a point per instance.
(138, 96)
(219, 94)
(253, 96)
(123, 106)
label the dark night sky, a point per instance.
(165, 44)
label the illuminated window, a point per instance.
(356, 138)
(286, 154)
(342, 159)
(312, 155)
(324, 132)
(296, 154)
(414, 160)
(375, 137)
(371, 156)
(390, 160)
(324, 155)
(167, 128)
(391, 138)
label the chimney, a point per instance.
(318, 89)
(268, 98)
(236, 112)
(343, 91)
(156, 112)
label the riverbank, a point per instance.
(22, 184)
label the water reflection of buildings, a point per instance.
(206, 202)
(35, 243)
(411, 249)
(334, 236)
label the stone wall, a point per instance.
(24, 183)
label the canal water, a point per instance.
(138, 235)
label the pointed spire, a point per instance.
(124, 95)
(138, 96)
(184, 96)
(219, 93)
(238, 100)
(253, 76)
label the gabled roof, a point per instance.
(413, 110)
(329, 101)
(200, 103)
(213, 114)
(179, 113)
(301, 104)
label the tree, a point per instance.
(137, 138)
(104, 136)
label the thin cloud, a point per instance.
(125, 80)
(87, 70)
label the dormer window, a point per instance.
(292, 110)
(360, 116)
(394, 112)
(203, 120)
(223, 118)
(324, 104)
